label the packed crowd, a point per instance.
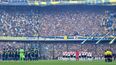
(59, 22)
(51, 21)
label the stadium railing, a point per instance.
(39, 38)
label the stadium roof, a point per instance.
(56, 2)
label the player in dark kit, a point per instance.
(114, 56)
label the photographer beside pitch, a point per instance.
(108, 55)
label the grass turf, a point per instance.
(45, 62)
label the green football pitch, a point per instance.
(44, 62)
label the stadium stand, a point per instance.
(52, 20)
(57, 20)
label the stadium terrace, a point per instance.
(70, 32)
